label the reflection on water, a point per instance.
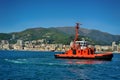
(83, 61)
(82, 68)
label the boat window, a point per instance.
(74, 52)
(88, 53)
(84, 51)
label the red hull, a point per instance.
(87, 53)
(100, 56)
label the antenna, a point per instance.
(76, 31)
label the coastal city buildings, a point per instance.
(40, 45)
(4, 44)
(114, 46)
(34, 45)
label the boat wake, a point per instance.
(41, 62)
(26, 61)
(34, 61)
(18, 61)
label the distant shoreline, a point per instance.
(114, 52)
(32, 50)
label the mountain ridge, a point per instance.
(92, 33)
(62, 34)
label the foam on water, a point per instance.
(33, 61)
(18, 61)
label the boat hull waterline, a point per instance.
(100, 56)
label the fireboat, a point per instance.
(80, 50)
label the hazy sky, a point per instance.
(18, 15)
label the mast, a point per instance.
(76, 34)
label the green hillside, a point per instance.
(51, 35)
(5, 36)
(62, 35)
(97, 36)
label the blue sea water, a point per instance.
(33, 65)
